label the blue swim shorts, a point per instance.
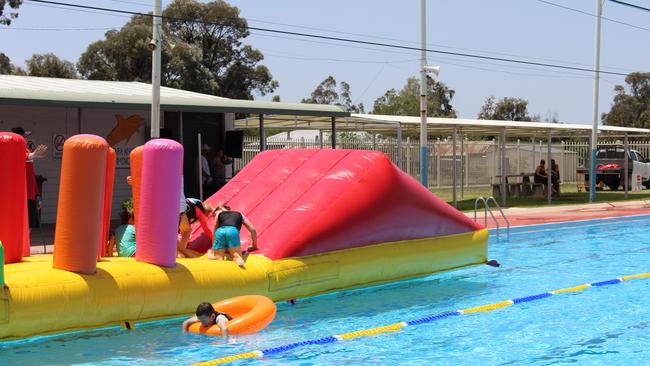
(226, 237)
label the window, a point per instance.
(641, 158)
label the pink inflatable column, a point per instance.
(160, 190)
(13, 195)
(108, 202)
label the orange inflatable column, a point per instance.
(81, 203)
(108, 202)
(13, 190)
(136, 179)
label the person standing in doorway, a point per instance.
(218, 168)
(32, 187)
(206, 176)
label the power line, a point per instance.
(630, 5)
(329, 59)
(339, 39)
(594, 15)
(54, 29)
(78, 10)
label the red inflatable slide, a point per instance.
(310, 201)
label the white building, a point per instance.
(54, 109)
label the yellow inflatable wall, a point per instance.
(39, 299)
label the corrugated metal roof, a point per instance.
(513, 128)
(29, 90)
(443, 126)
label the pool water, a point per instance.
(600, 325)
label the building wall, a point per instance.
(48, 122)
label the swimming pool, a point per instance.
(597, 326)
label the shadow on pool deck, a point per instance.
(519, 216)
(42, 238)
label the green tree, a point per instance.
(6, 67)
(49, 65)
(5, 64)
(631, 109)
(506, 109)
(329, 92)
(123, 55)
(5, 18)
(406, 102)
(202, 52)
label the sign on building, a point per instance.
(57, 145)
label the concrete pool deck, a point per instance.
(519, 216)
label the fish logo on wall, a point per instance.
(124, 129)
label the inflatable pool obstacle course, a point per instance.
(326, 220)
(308, 201)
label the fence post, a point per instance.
(518, 156)
(467, 154)
(399, 147)
(438, 163)
(408, 156)
(495, 154)
(532, 143)
(562, 161)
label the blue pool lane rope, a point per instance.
(428, 319)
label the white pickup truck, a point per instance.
(610, 166)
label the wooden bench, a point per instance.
(537, 189)
(512, 190)
(515, 189)
(496, 190)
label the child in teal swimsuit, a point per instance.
(124, 236)
(226, 235)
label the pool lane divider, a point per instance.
(428, 319)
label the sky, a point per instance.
(530, 30)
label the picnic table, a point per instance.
(518, 185)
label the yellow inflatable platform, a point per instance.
(38, 299)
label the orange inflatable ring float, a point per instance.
(250, 314)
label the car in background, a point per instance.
(610, 166)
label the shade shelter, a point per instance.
(455, 128)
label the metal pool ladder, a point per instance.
(487, 208)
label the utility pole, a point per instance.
(156, 47)
(594, 126)
(424, 151)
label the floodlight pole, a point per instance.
(156, 46)
(424, 153)
(594, 127)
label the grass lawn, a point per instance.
(569, 196)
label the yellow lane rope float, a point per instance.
(398, 326)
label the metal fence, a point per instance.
(477, 161)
